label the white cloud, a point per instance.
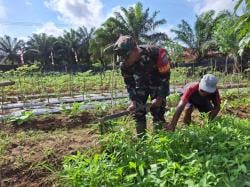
(78, 12)
(201, 6)
(113, 10)
(167, 30)
(3, 29)
(50, 29)
(2, 10)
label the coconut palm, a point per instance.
(199, 39)
(11, 48)
(84, 37)
(133, 21)
(39, 48)
(68, 47)
(138, 23)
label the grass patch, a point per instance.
(216, 155)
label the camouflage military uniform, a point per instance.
(144, 79)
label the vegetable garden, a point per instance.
(66, 148)
(50, 133)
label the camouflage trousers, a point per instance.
(139, 114)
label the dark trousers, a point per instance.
(139, 113)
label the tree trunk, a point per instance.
(226, 65)
(236, 64)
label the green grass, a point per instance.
(29, 83)
(216, 155)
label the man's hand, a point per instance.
(131, 106)
(157, 102)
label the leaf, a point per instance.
(141, 169)
(132, 165)
(242, 168)
(189, 182)
(131, 177)
(164, 173)
(239, 2)
(153, 167)
(244, 42)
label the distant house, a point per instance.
(188, 55)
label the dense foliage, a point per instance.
(215, 155)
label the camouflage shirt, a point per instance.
(145, 74)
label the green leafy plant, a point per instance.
(173, 99)
(73, 110)
(25, 117)
(215, 155)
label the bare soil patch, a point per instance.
(241, 111)
(37, 147)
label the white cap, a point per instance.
(208, 83)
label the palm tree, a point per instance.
(227, 41)
(68, 47)
(138, 23)
(39, 48)
(242, 26)
(133, 21)
(199, 39)
(10, 48)
(84, 37)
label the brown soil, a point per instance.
(53, 122)
(46, 141)
(27, 160)
(241, 112)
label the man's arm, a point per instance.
(176, 116)
(214, 112)
(216, 101)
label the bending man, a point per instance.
(203, 95)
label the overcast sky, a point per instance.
(21, 18)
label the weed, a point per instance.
(215, 155)
(25, 117)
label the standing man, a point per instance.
(146, 72)
(203, 95)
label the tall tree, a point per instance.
(85, 36)
(69, 47)
(242, 26)
(227, 41)
(198, 39)
(138, 23)
(11, 48)
(134, 21)
(39, 48)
